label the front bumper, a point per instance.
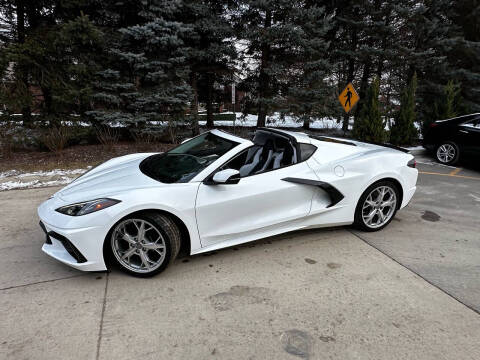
(78, 247)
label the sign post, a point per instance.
(348, 98)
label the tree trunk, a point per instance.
(20, 21)
(22, 72)
(194, 107)
(48, 107)
(306, 124)
(264, 79)
(364, 84)
(209, 101)
(384, 48)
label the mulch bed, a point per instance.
(74, 157)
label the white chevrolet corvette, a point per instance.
(218, 190)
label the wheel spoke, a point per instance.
(387, 203)
(128, 253)
(141, 231)
(145, 260)
(370, 216)
(153, 246)
(381, 217)
(381, 194)
(369, 203)
(128, 238)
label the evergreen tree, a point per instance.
(147, 78)
(404, 131)
(211, 51)
(360, 36)
(307, 92)
(464, 52)
(156, 58)
(448, 104)
(285, 55)
(369, 125)
(51, 52)
(257, 26)
(431, 37)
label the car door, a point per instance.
(254, 207)
(470, 137)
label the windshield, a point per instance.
(184, 162)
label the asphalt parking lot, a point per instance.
(411, 291)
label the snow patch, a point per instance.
(56, 172)
(8, 173)
(14, 179)
(15, 185)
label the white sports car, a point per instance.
(217, 190)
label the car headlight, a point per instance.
(86, 207)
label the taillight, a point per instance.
(433, 124)
(412, 163)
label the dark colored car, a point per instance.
(452, 139)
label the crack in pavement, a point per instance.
(416, 273)
(42, 282)
(100, 330)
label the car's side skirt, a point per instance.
(308, 222)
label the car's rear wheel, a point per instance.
(377, 206)
(447, 153)
(145, 244)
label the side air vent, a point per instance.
(335, 195)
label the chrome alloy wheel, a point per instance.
(138, 245)
(446, 153)
(379, 207)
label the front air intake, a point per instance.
(71, 249)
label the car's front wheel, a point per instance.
(145, 244)
(447, 153)
(377, 206)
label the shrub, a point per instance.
(368, 125)
(107, 136)
(403, 130)
(173, 131)
(146, 137)
(56, 138)
(6, 138)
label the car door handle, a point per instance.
(464, 131)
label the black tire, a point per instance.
(165, 226)
(359, 222)
(447, 145)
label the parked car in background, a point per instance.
(455, 138)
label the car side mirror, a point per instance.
(227, 176)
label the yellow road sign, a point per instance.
(348, 98)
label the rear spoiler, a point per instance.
(346, 142)
(391, 146)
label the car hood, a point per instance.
(110, 178)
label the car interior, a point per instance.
(473, 124)
(271, 151)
